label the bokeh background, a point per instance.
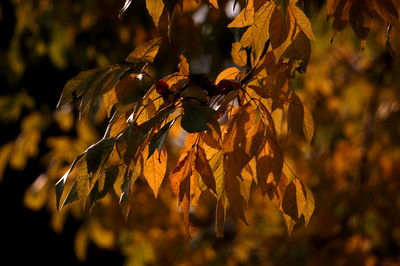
(352, 165)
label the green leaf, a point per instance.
(159, 138)
(63, 180)
(98, 153)
(196, 116)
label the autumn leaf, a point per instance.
(183, 66)
(63, 180)
(257, 34)
(308, 125)
(98, 153)
(204, 169)
(159, 138)
(230, 73)
(145, 52)
(245, 17)
(154, 170)
(155, 8)
(239, 55)
(214, 3)
(301, 20)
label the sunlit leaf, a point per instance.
(145, 52)
(308, 126)
(238, 54)
(214, 3)
(302, 21)
(229, 73)
(154, 170)
(245, 17)
(183, 65)
(155, 8)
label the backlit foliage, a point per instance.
(229, 143)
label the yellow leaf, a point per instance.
(245, 17)
(308, 125)
(302, 21)
(145, 52)
(183, 66)
(155, 8)
(154, 170)
(229, 73)
(214, 3)
(258, 33)
(239, 55)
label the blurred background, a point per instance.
(352, 165)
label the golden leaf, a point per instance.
(308, 125)
(239, 55)
(183, 66)
(229, 73)
(258, 33)
(245, 17)
(154, 170)
(145, 52)
(155, 8)
(301, 20)
(214, 3)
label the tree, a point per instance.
(236, 127)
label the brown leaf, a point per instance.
(393, 42)
(204, 169)
(220, 216)
(232, 190)
(155, 8)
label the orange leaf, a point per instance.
(229, 73)
(154, 170)
(238, 54)
(245, 17)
